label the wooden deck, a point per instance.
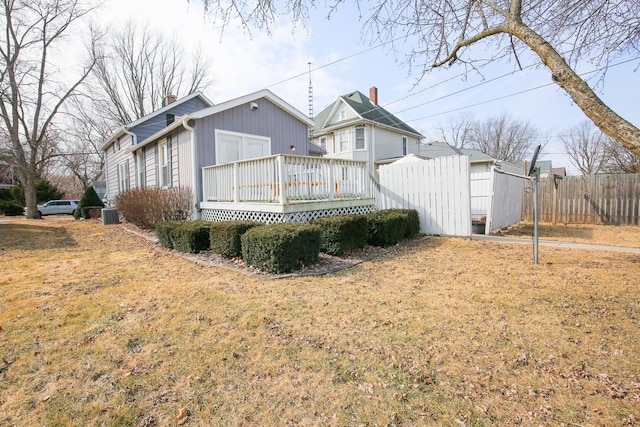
(285, 188)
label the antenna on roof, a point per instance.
(310, 94)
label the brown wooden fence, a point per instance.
(594, 199)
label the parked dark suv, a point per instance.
(58, 207)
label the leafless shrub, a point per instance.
(146, 207)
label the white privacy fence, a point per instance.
(447, 195)
(438, 189)
(505, 208)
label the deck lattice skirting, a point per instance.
(217, 215)
(286, 188)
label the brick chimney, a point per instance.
(168, 99)
(373, 95)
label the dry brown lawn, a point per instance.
(101, 327)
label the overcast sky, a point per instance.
(343, 61)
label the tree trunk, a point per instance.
(30, 197)
(602, 116)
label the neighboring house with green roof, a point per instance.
(355, 127)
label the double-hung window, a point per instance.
(360, 138)
(123, 176)
(141, 166)
(164, 164)
(344, 141)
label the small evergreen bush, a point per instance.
(147, 207)
(225, 237)
(11, 208)
(163, 232)
(281, 248)
(343, 233)
(191, 236)
(88, 200)
(386, 227)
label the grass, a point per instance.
(100, 327)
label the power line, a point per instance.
(504, 96)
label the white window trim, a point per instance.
(343, 137)
(123, 176)
(220, 132)
(163, 162)
(364, 140)
(141, 168)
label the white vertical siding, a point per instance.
(438, 189)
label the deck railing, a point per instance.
(285, 179)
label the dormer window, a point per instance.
(170, 118)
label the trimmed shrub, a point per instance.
(89, 200)
(281, 248)
(147, 207)
(191, 236)
(386, 228)
(342, 233)
(163, 232)
(225, 237)
(413, 221)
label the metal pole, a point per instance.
(536, 178)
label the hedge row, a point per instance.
(285, 247)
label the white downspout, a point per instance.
(128, 132)
(194, 169)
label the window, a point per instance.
(359, 138)
(343, 115)
(164, 164)
(323, 142)
(234, 146)
(123, 176)
(170, 118)
(344, 141)
(141, 166)
(404, 145)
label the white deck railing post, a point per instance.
(236, 189)
(282, 177)
(332, 179)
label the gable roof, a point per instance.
(227, 105)
(366, 110)
(264, 93)
(124, 130)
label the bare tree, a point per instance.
(31, 90)
(457, 130)
(622, 160)
(138, 68)
(588, 148)
(82, 156)
(561, 33)
(504, 138)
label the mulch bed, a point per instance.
(327, 263)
